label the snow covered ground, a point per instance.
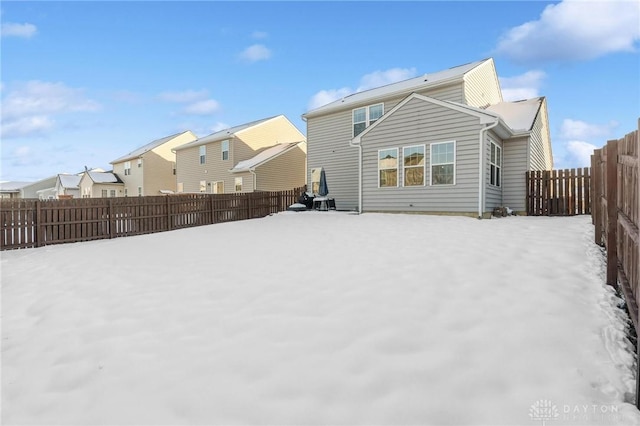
(319, 318)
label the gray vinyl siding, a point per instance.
(419, 122)
(481, 87)
(514, 157)
(493, 194)
(31, 190)
(328, 138)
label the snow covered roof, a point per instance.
(104, 177)
(518, 115)
(264, 156)
(148, 147)
(69, 181)
(223, 134)
(405, 86)
(13, 186)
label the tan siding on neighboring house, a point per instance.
(132, 181)
(287, 171)
(191, 172)
(515, 165)
(481, 87)
(540, 151)
(269, 133)
(419, 122)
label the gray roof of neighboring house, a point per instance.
(263, 156)
(148, 147)
(519, 115)
(13, 186)
(223, 134)
(70, 181)
(405, 86)
(104, 177)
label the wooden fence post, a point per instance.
(612, 213)
(168, 213)
(39, 228)
(596, 195)
(112, 222)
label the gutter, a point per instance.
(481, 165)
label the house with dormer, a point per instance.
(443, 143)
(262, 155)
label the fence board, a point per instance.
(558, 192)
(32, 223)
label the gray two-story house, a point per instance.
(444, 142)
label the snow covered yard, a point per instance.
(318, 318)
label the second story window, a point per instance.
(225, 150)
(127, 168)
(139, 162)
(365, 117)
(203, 154)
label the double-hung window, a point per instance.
(127, 168)
(104, 193)
(238, 184)
(496, 164)
(388, 167)
(443, 163)
(413, 161)
(203, 154)
(365, 117)
(225, 150)
(139, 162)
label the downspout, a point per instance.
(481, 166)
(255, 179)
(357, 145)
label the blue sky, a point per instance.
(84, 83)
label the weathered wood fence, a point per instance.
(558, 192)
(35, 223)
(615, 217)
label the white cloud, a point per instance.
(184, 96)
(576, 129)
(324, 97)
(524, 86)
(25, 30)
(574, 30)
(382, 78)
(259, 35)
(205, 107)
(219, 126)
(29, 108)
(579, 153)
(256, 52)
(368, 81)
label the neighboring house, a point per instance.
(151, 169)
(443, 143)
(263, 155)
(68, 185)
(42, 189)
(100, 185)
(12, 190)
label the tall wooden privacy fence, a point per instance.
(35, 223)
(615, 217)
(558, 192)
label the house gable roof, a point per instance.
(69, 181)
(103, 177)
(146, 148)
(484, 116)
(453, 74)
(519, 115)
(264, 156)
(13, 186)
(224, 134)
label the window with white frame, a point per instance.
(104, 193)
(238, 184)
(139, 162)
(413, 161)
(203, 154)
(496, 164)
(126, 192)
(127, 168)
(139, 191)
(225, 150)
(388, 167)
(443, 163)
(203, 186)
(173, 167)
(365, 117)
(112, 193)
